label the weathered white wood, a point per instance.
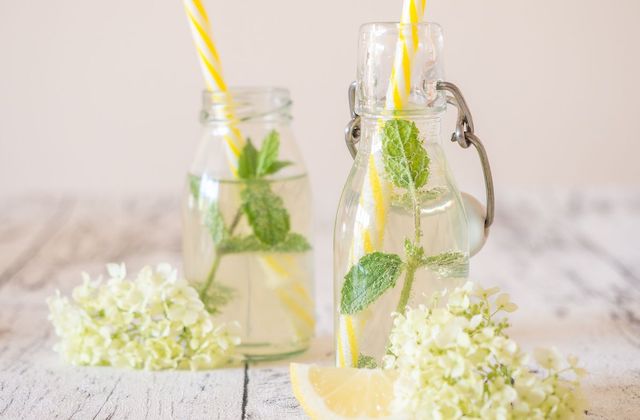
(571, 260)
(25, 227)
(557, 256)
(34, 382)
(269, 394)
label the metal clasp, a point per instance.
(352, 131)
(464, 135)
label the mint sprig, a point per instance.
(406, 163)
(264, 210)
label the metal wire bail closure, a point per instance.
(464, 135)
(352, 130)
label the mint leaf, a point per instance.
(265, 212)
(214, 222)
(216, 297)
(241, 244)
(405, 159)
(405, 200)
(373, 275)
(293, 243)
(248, 161)
(447, 264)
(268, 153)
(194, 186)
(276, 166)
(366, 362)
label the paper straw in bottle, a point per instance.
(282, 272)
(374, 200)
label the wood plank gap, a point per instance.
(245, 391)
(55, 224)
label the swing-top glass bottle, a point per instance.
(403, 229)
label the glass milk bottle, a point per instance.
(403, 229)
(247, 222)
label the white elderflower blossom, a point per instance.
(456, 361)
(156, 321)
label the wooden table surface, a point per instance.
(571, 260)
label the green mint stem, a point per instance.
(236, 220)
(406, 289)
(211, 276)
(412, 262)
(216, 261)
(416, 218)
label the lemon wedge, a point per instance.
(327, 393)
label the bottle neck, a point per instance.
(399, 67)
(429, 127)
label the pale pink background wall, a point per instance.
(102, 97)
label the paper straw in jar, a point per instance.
(374, 200)
(292, 292)
(211, 67)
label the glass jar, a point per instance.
(247, 222)
(401, 232)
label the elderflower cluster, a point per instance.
(156, 321)
(454, 360)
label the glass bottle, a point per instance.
(247, 222)
(403, 229)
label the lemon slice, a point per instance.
(343, 393)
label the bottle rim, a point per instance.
(396, 25)
(245, 103)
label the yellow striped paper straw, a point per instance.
(283, 274)
(211, 67)
(374, 200)
(400, 85)
(291, 292)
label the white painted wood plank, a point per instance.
(35, 383)
(269, 388)
(25, 226)
(569, 295)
